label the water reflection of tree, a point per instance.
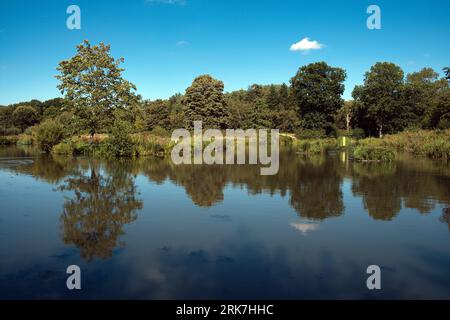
(51, 169)
(102, 204)
(386, 188)
(313, 184)
(445, 217)
(317, 192)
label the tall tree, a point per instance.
(317, 90)
(440, 115)
(284, 97)
(421, 91)
(204, 100)
(157, 114)
(379, 99)
(5, 119)
(273, 98)
(93, 85)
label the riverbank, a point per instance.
(423, 143)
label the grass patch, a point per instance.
(364, 153)
(146, 144)
(316, 146)
(433, 144)
(63, 148)
(25, 139)
(8, 140)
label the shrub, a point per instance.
(5, 141)
(120, 144)
(25, 139)
(310, 134)
(437, 149)
(12, 131)
(357, 133)
(49, 133)
(317, 146)
(160, 131)
(434, 144)
(363, 153)
(149, 145)
(63, 148)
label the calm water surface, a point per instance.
(147, 229)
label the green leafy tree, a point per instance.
(421, 91)
(93, 85)
(273, 98)
(317, 90)
(120, 143)
(284, 97)
(440, 115)
(204, 100)
(24, 117)
(157, 114)
(49, 134)
(379, 100)
(5, 119)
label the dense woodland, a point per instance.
(96, 99)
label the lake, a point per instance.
(147, 229)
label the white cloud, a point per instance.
(304, 228)
(306, 45)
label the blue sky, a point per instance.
(166, 43)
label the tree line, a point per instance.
(97, 97)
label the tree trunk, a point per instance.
(347, 120)
(91, 136)
(380, 131)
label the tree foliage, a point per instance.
(379, 98)
(317, 90)
(204, 100)
(93, 85)
(24, 117)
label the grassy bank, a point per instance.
(432, 144)
(135, 145)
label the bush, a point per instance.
(362, 153)
(25, 139)
(434, 144)
(149, 145)
(317, 146)
(310, 134)
(49, 134)
(120, 144)
(160, 131)
(437, 149)
(331, 130)
(12, 131)
(6, 141)
(63, 148)
(357, 133)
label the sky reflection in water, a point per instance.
(150, 230)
